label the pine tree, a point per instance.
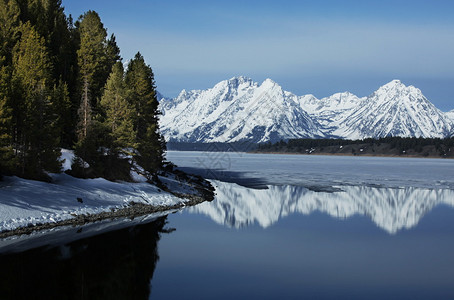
(119, 113)
(36, 144)
(142, 94)
(9, 35)
(57, 81)
(113, 53)
(7, 161)
(93, 60)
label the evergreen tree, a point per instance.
(142, 95)
(7, 161)
(119, 113)
(36, 144)
(9, 35)
(57, 82)
(58, 34)
(94, 61)
(91, 59)
(113, 53)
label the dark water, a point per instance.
(307, 257)
(114, 265)
(277, 242)
(188, 256)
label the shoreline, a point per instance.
(172, 192)
(132, 211)
(356, 155)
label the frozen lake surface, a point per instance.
(318, 172)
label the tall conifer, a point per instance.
(36, 143)
(9, 35)
(141, 84)
(92, 56)
(119, 113)
(7, 161)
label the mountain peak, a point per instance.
(269, 81)
(240, 79)
(397, 90)
(235, 82)
(393, 84)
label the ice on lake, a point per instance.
(317, 172)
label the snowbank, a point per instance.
(27, 202)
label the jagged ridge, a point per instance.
(241, 109)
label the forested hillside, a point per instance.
(62, 85)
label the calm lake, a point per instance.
(281, 227)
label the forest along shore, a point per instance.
(386, 147)
(64, 86)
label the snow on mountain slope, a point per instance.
(240, 109)
(390, 209)
(332, 111)
(336, 103)
(395, 110)
(234, 110)
(450, 114)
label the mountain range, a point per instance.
(240, 109)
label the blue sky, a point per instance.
(317, 47)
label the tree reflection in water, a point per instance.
(113, 265)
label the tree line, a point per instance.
(399, 143)
(63, 85)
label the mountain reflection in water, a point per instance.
(113, 265)
(391, 209)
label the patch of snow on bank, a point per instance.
(27, 202)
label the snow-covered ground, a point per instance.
(27, 202)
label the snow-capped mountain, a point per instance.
(241, 109)
(234, 110)
(394, 110)
(389, 208)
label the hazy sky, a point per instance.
(316, 47)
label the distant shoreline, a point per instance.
(352, 155)
(383, 147)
